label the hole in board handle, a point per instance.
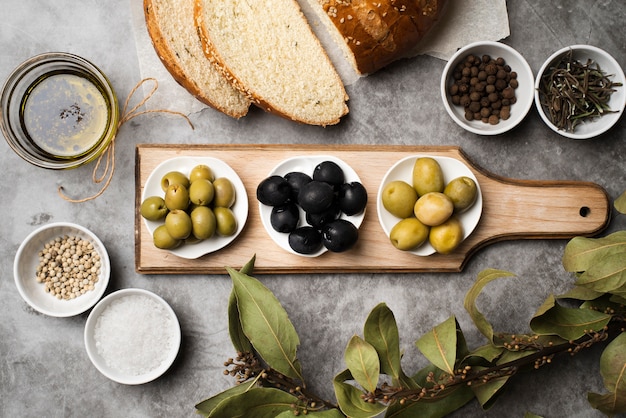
(584, 211)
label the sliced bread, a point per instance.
(270, 53)
(170, 24)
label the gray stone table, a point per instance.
(44, 369)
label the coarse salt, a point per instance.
(134, 335)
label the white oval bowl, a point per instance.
(524, 93)
(115, 373)
(27, 259)
(596, 126)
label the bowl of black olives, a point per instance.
(312, 204)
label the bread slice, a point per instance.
(270, 53)
(171, 27)
(373, 34)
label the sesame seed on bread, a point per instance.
(269, 52)
(170, 24)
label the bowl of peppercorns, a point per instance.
(487, 88)
(61, 269)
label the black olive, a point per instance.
(339, 235)
(329, 172)
(273, 191)
(352, 198)
(316, 196)
(305, 240)
(317, 220)
(285, 218)
(296, 180)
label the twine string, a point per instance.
(108, 155)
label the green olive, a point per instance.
(463, 193)
(201, 171)
(203, 222)
(399, 198)
(201, 192)
(446, 237)
(408, 234)
(163, 240)
(176, 197)
(224, 192)
(153, 208)
(433, 208)
(427, 176)
(226, 221)
(174, 177)
(178, 224)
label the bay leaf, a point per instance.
(266, 324)
(620, 203)
(608, 403)
(439, 346)
(453, 399)
(582, 252)
(208, 405)
(484, 278)
(487, 353)
(350, 401)
(613, 364)
(607, 274)
(238, 338)
(381, 331)
(329, 413)
(580, 293)
(362, 361)
(567, 323)
(487, 393)
(531, 415)
(255, 402)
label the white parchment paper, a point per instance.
(465, 22)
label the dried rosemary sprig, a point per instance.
(572, 92)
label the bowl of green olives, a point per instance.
(428, 204)
(312, 204)
(487, 88)
(193, 206)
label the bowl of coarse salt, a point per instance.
(132, 336)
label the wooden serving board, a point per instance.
(512, 209)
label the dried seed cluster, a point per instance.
(68, 267)
(485, 87)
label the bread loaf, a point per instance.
(268, 51)
(170, 24)
(375, 33)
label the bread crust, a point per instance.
(172, 63)
(379, 32)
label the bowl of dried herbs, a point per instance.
(580, 92)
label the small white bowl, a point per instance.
(27, 259)
(523, 94)
(125, 360)
(608, 64)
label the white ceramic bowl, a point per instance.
(115, 337)
(220, 169)
(306, 164)
(27, 259)
(596, 126)
(523, 94)
(452, 168)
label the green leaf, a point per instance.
(350, 401)
(531, 415)
(256, 402)
(329, 413)
(240, 342)
(568, 323)
(440, 345)
(363, 363)
(451, 400)
(487, 393)
(488, 352)
(381, 331)
(581, 252)
(266, 324)
(208, 405)
(609, 403)
(482, 280)
(613, 364)
(249, 266)
(620, 203)
(607, 275)
(580, 293)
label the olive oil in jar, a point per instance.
(65, 114)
